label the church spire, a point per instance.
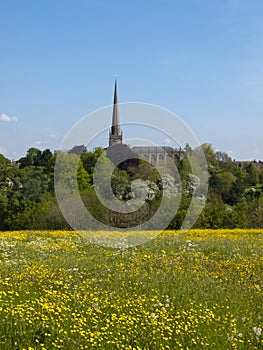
(115, 132)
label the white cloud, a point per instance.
(6, 118)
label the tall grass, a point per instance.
(193, 290)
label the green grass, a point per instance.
(196, 290)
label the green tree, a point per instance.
(47, 215)
(236, 192)
(46, 160)
(255, 213)
(215, 213)
(35, 183)
(221, 183)
(209, 154)
(32, 158)
(239, 217)
(3, 211)
(70, 177)
(252, 174)
(89, 159)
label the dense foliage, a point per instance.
(28, 201)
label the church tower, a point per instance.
(115, 136)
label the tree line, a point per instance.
(28, 200)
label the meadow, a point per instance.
(200, 289)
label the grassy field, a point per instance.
(197, 290)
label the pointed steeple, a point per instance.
(115, 132)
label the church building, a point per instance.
(150, 153)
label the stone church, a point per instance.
(116, 148)
(152, 154)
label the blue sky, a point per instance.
(201, 59)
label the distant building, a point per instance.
(152, 154)
(242, 164)
(78, 150)
(158, 153)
